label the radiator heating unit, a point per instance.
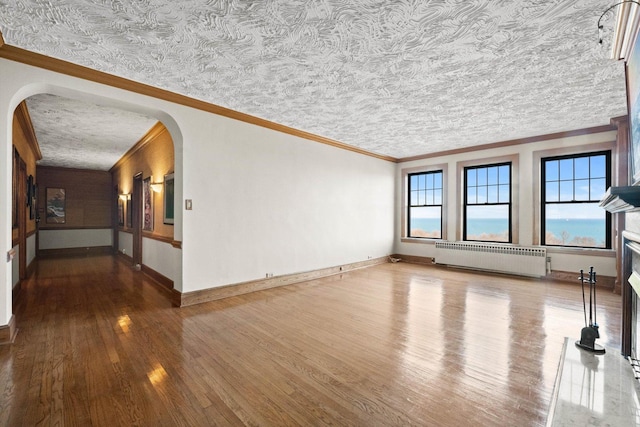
(525, 261)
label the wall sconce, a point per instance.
(155, 186)
(123, 196)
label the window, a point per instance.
(572, 187)
(425, 205)
(487, 203)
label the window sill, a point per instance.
(422, 240)
(606, 253)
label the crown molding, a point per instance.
(153, 133)
(24, 119)
(528, 140)
(27, 57)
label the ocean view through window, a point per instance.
(572, 187)
(425, 205)
(487, 203)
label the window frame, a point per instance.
(466, 204)
(542, 203)
(407, 231)
(403, 214)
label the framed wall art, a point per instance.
(633, 94)
(147, 205)
(168, 202)
(56, 201)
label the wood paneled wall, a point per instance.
(153, 156)
(24, 139)
(88, 197)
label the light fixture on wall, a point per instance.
(156, 186)
(626, 28)
(123, 196)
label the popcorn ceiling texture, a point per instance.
(398, 78)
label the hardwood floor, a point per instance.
(394, 344)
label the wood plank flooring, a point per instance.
(394, 344)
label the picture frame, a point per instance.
(168, 199)
(633, 101)
(121, 210)
(147, 205)
(56, 205)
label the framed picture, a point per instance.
(168, 195)
(147, 205)
(34, 202)
(633, 93)
(56, 200)
(121, 210)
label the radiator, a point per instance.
(493, 257)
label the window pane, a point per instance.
(552, 170)
(492, 175)
(421, 199)
(421, 182)
(471, 177)
(429, 181)
(437, 180)
(414, 198)
(437, 197)
(426, 222)
(598, 188)
(488, 223)
(582, 225)
(482, 194)
(598, 166)
(552, 192)
(504, 174)
(482, 176)
(566, 169)
(582, 189)
(582, 167)
(471, 195)
(429, 196)
(413, 182)
(492, 196)
(566, 191)
(504, 194)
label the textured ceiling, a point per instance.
(80, 135)
(398, 78)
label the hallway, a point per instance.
(395, 344)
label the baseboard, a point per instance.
(164, 281)
(412, 259)
(125, 257)
(212, 294)
(607, 282)
(8, 332)
(62, 252)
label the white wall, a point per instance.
(31, 249)
(125, 243)
(163, 258)
(263, 201)
(79, 238)
(561, 259)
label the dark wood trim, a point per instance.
(528, 140)
(221, 292)
(15, 242)
(176, 244)
(75, 227)
(24, 119)
(606, 282)
(31, 233)
(125, 257)
(163, 239)
(158, 277)
(23, 56)
(83, 251)
(153, 133)
(413, 259)
(8, 332)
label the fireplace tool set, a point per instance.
(590, 331)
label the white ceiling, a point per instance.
(398, 78)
